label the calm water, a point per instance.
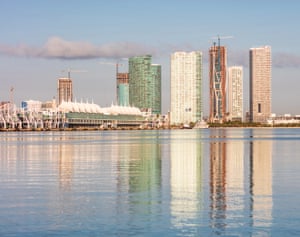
(214, 182)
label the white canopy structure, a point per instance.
(94, 108)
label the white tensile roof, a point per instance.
(94, 108)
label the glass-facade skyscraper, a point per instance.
(186, 83)
(145, 84)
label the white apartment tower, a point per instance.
(186, 86)
(260, 84)
(235, 93)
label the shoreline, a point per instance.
(132, 129)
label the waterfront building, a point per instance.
(283, 120)
(260, 84)
(49, 105)
(217, 83)
(31, 105)
(235, 93)
(145, 84)
(186, 86)
(64, 90)
(74, 115)
(123, 89)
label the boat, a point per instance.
(201, 124)
(186, 126)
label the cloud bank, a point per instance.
(57, 48)
(279, 59)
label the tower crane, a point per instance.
(69, 70)
(116, 64)
(221, 37)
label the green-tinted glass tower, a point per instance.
(123, 89)
(145, 84)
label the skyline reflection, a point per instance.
(185, 178)
(184, 182)
(229, 180)
(261, 180)
(217, 176)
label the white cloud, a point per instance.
(57, 48)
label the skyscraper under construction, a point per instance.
(217, 82)
(123, 89)
(64, 90)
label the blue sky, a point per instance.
(40, 39)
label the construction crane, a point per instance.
(69, 70)
(116, 64)
(221, 37)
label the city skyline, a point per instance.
(42, 40)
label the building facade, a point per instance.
(145, 84)
(235, 93)
(260, 84)
(217, 83)
(123, 89)
(186, 87)
(65, 90)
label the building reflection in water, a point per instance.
(261, 180)
(65, 166)
(185, 178)
(139, 179)
(230, 181)
(235, 177)
(218, 180)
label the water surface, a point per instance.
(211, 182)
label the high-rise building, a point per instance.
(260, 84)
(235, 93)
(64, 90)
(186, 86)
(145, 84)
(123, 89)
(217, 82)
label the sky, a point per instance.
(42, 40)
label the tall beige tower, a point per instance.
(64, 90)
(260, 84)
